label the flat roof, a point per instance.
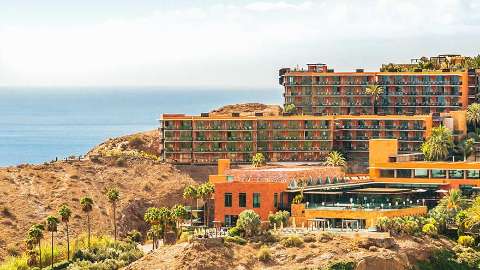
(439, 165)
(381, 191)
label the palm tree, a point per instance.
(473, 114)
(36, 234)
(258, 160)
(375, 91)
(65, 214)
(466, 147)
(167, 222)
(152, 217)
(190, 192)
(454, 200)
(437, 146)
(205, 191)
(87, 207)
(52, 224)
(113, 196)
(335, 159)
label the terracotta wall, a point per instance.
(266, 191)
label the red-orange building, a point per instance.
(260, 189)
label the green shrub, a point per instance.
(411, 227)
(136, 142)
(290, 108)
(249, 222)
(383, 224)
(466, 241)
(59, 266)
(297, 199)
(235, 239)
(309, 238)
(235, 231)
(184, 237)
(264, 254)
(292, 241)
(467, 256)
(120, 162)
(341, 265)
(442, 260)
(258, 160)
(135, 236)
(278, 218)
(430, 230)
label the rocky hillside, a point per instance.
(317, 252)
(247, 109)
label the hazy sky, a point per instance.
(220, 43)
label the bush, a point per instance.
(466, 241)
(292, 241)
(309, 238)
(467, 256)
(120, 162)
(290, 108)
(258, 160)
(341, 265)
(235, 239)
(135, 236)
(442, 259)
(297, 199)
(136, 142)
(278, 218)
(383, 224)
(249, 222)
(264, 254)
(59, 266)
(411, 227)
(235, 231)
(184, 237)
(430, 230)
(13, 250)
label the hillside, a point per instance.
(317, 252)
(247, 109)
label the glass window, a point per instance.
(275, 200)
(404, 173)
(455, 174)
(473, 174)
(386, 173)
(230, 220)
(256, 200)
(228, 200)
(421, 173)
(439, 174)
(242, 200)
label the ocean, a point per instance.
(38, 124)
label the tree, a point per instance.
(167, 221)
(52, 225)
(473, 114)
(113, 196)
(205, 191)
(87, 207)
(335, 159)
(466, 147)
(190, 192)
(290, 108)
(36, 234)
(258, 160)
(152, 217)
(472, 219)
(179, 213)
(249, 222)
(455, 201)
(437, 146)
(65, 214)
(375, 91)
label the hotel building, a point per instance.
(318, 90)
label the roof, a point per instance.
(381, 191)
(440, 165)
(283, 174)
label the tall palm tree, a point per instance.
(113, 196)
(52, 226)
(205, 191)
(190, 193)
(36, 233)
(152, 216)
(375, 91)
(473, 114)
(437, 146)
(335, 159)
(87, 207)
(65, 213)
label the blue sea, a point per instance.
(39, 124)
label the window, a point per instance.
(228, 199)
(404, 173)
(421, 173)
(242, 200)
(439, 173)
(386, 173)
(230, 220)
(473, 174)
(455, 174)
(256, 200)
(275, 200)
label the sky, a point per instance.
(220, 43)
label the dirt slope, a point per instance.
(30, 193)
(215, 255)
(247, 109)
